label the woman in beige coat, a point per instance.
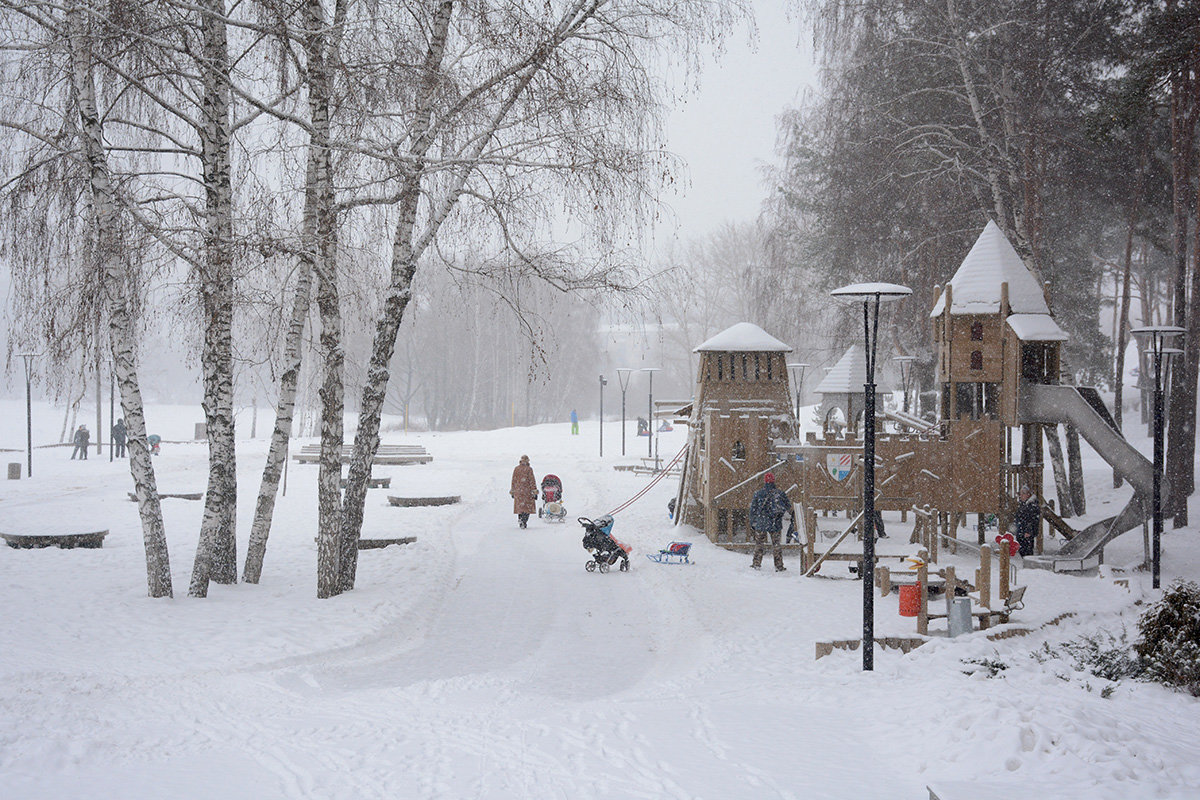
(524, 491)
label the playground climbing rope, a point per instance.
(662, 474)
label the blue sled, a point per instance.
(675, 553)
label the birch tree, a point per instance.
(506, 103)
(77, 143)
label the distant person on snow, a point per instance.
(767, 508)
(574, 423)
(524, 491)
(81, 439)
(118, 438)
(1026, 521)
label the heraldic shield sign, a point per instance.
(839, 465)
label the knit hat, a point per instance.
(524, 459)
(769, 477)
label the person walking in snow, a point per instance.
(118, 438)
(523, 491)
(81, 439)
(1026, 521)
(574, 423)
(767, 508)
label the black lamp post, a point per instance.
(1155, 337)
(650, 441)
(797, 369)
(623, 374)
(603, 383)
(28, 357)
(871, 295)
(905, 363)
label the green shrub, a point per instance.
(1169, 647)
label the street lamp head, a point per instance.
(871, 291)
(1161, 330)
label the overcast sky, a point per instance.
(726, 131)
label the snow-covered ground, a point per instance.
(484, 662)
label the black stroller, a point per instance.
(604, 549)
(552, 509)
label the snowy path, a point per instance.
(484, 662)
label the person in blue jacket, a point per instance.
(574, 422)
(767, 508)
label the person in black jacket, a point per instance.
(767, 508)
(80, 440)
(1026, 521)
(118, 438)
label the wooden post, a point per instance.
(1003, 588)
(922, 591)
(985, 577)
(883, 579)
(933, 545)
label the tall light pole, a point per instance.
(1155, 336)
(603, 383)
(797, 369)
(871, 295)
(653, 432)
(28, 357)
(905, 363)
(623, 374)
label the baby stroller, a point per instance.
(604, 549)
(552, 509)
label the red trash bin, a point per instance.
(910, 600)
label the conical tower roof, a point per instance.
(848, 374)
(744, 337)
(976, 285)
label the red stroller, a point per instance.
(552, 509)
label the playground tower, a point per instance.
(741, 410)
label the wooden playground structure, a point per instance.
(997, 369)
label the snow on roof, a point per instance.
(991, 262)
(1036, 328)
(744, 337)
(848, 375)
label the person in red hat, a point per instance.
(767, 508)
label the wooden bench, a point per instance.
(173, 495)
(400, 454)
(374, 483)
(1014, 602)
(375, 544)
(67, 541)
(413, 502)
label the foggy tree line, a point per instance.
(1071, 124)
(283, 170)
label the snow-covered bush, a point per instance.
(1101, 654)
(1170, 638)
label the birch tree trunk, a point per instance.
(121, 330)
(216, 553)
(277, 453)
(404, 266)
(1075, 471)
(318, 247)
(1061, 486)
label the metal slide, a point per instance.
(1076, 406)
